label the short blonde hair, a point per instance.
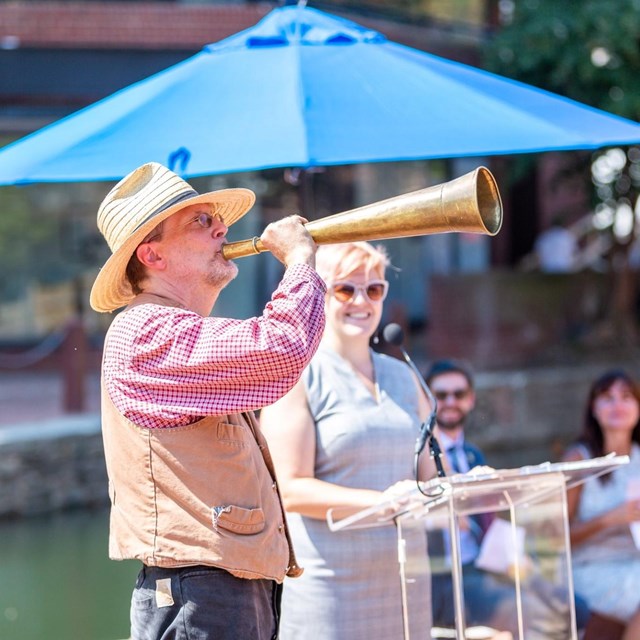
(336, 261)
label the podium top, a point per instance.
(480, 490)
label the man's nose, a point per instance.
(219, 229)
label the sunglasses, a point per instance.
(458, 394)
(204, 220)
(374, 291)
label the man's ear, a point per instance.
(149, 257)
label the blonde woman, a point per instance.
(342, 437)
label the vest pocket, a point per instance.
(238, 519)
(232, 433)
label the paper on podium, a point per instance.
(502, 546)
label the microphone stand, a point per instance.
(434, 447)
(426, 431)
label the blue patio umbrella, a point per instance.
(300, 89)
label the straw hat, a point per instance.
(134, 207)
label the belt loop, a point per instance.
(142, 575)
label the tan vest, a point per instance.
(200, 494)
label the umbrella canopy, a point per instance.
(301, 89)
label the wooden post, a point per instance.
(74, 366)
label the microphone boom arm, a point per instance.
(426, 432)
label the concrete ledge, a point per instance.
(72, 425)
(52, 465)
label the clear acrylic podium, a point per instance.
(525, 553)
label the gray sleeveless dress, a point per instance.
(350, 589)
(606, 567)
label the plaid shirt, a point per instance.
(169, 367)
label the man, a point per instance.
(452, 385)
(191, 480)
(488, 597)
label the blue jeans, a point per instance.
(203, 603)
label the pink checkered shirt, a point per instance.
(167, 367)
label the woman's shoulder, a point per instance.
(324, 363)
(324, 358)
(389, 362)
(576, 451)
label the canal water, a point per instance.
(57, 582)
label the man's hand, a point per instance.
(290, 242)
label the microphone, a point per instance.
(392, 334)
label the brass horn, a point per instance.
(470, 204)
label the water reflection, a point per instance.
(57, 582)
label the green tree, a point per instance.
(587, 50)
(29, 243)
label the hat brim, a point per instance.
(111, 289)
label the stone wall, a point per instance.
(53, 465)
(537, 342)
(522, 417)
(529, 416)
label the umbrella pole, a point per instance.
(306, 203)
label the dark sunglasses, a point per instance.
(344, 291)
(458, 394)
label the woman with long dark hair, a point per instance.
(606, 561)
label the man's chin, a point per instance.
(450, 426)
(223, 274)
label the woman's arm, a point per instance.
(290, 431)
(581, 531)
